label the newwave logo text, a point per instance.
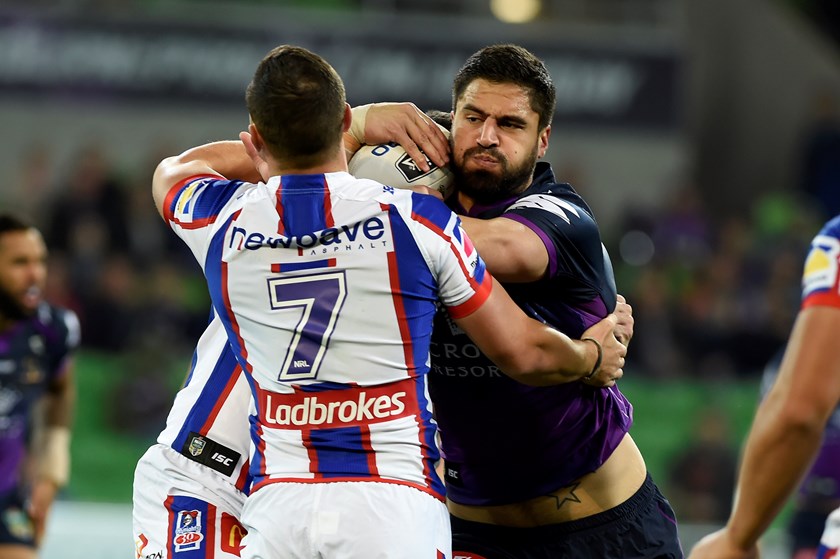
(371, 229)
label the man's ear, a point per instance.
(348, 118)
(542, 144)
(256, 138)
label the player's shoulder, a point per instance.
(360, 188)
(61, 324)
(826, 243)
(402, 197)
(198, 185)
(831, 228)
(199, 200)
(555, 206)
(546, 194)
(431, 212)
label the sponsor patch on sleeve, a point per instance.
(821, 267)
(186, 205)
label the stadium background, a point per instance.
(696, 130)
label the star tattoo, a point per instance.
(565, 495)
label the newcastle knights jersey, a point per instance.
(506, 442)
(33, 354)
(208, 422)
(327, 287)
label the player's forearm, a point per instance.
(788, 427)
(54, 456)
(404, 124)
(597, 358)
(60, 399)
(523, 348)
(550, 357)
(59, 409)
(778, 453)
(226, 158)
(567, 360)
(54, 448)
(351, 145)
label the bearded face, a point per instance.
(22, 273)
(11, 306)
(495, 142)
(486, 186)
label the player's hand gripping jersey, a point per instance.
(308, 271)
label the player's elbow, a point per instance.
(164, 169)
(803, 419)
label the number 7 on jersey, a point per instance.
(318, 298)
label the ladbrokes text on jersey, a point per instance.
(333, 408)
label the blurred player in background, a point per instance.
(530, 471)
(36, 390)
(790, 423)
(327, 286)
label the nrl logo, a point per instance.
(410, 170)
(197, 446)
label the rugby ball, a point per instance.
(391, 165)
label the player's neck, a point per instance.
(337, 163)
(467, 201)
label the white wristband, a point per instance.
(54, 459)
(357, 124)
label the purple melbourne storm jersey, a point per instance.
(506, 442)
(32, 354)
(327, 287)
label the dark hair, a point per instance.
(510, 64)
(442, 118)
(10, 223)
(296, 100)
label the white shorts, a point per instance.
(183, 509)
(344, 520)
(830, 540)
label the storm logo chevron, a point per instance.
(558, 207)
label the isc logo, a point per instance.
(221, 458)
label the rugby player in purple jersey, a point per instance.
(531, 471)
(36, 343)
